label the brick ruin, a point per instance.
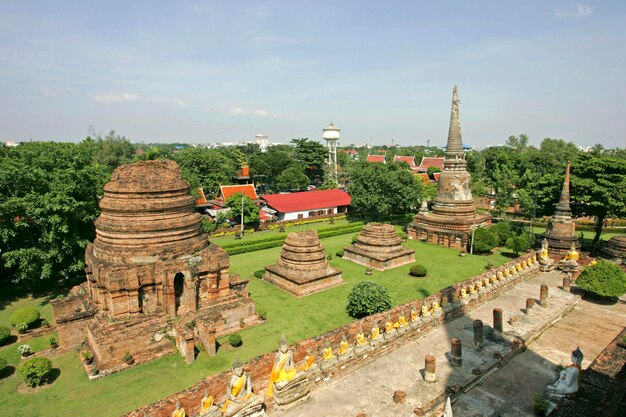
(615, 248)
(302, 268)
(378, 246)
(454, 212)
(151, 274)
(561, 230)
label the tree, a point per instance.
(484, 240)
(598, 188)
(250, 210)
(292, 179)
(113, 150)
(35, 371)
(312, 156)
(604, 279)
(367, 298)
(206, 168)
(519, 143)
(517, 244)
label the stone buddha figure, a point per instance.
(343, 351)
(436, 309)
(179, 411)
(570, 262)
(569, 378)
(207, 407)
(390, 329)
(414, 318)
(360, 344)
(283, 370)
(239, 395)
(309, 362)
(545, 262)
(328, 354)
(375, 336)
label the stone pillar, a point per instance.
(530, 303)
(497, 323)
(456, 352)
(543, 295)
(567, 283)
(478, 335)
(430, 368)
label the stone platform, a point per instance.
(370, 389)
(378, 246)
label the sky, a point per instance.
(222, 71)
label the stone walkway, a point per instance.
(507, 392)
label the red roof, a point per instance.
(436, 175)
(408, 159)
(428, 162)
(423, 177)
(376, 158)
(247, 189)
(307, 200)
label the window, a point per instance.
(300, 216)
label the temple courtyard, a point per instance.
(504, 389)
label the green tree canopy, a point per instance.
(312, 156)
(206, 168)
(292, 179)
(250, 210)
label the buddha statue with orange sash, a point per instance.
(207, 407)
(402, 320)
(360, 344)
(309, 362)
(570, 262)
(343, 352)
(283, 370)
(239, 395)
(569, 378)
(179, 411)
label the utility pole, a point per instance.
(242, 195)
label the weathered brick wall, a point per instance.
(260, 367)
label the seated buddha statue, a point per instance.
(390, 329)
(545, 262)
(309, 362)
(435, 309)
(593, 262)
(283, 370)
(327, 354)
(426, 316)
(570, 262)
(179, 411)
(487, 282)
(343, 347)
(239, 395)
(360, 345)
(414, 318)
(207, 407)
(472, 292)
(375, 337)
(569, 378)
(402, 320)
(534, 259)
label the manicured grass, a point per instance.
(42, 304)
(72, 394)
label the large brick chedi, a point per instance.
(453, 212)
(561, 230)
(302, 268)
(150, 260)
(378, 246)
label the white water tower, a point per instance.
(331, 136)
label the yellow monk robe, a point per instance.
(572, 255)
(402, 321)
(388, 327)
(308, 362)
(360, 339)
(414, 315)
(207, 403)
(343, 348)
(235, 390)
(179, 413)
(375, 333)
(279, 374)
(328, 354)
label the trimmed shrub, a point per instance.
(25, 315)
(339, 253)
(403, 235)
(4, 334)
(517, 244)
(35, 370)
(503, 231)
(259, 273)
(604, 279)
(235, 340)
(366, 298)
(418, 271)
(484, 240)
(24, 350)
(354, 238)
(3, 364)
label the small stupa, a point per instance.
(302, 268)
(378, 246)
(561, 229)
(615, 248)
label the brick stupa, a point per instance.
(302, 268)
(150, 260)
(615, 248)
(454, 211)
(378, 246)
(561, 230)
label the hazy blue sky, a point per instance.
(220, 71)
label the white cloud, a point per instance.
(241, 111)
(581, 10)
(260, 112)
(236, 110)
(116, 98)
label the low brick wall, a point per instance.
(260, 367)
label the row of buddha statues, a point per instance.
(568, 264)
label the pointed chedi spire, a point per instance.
(563, 207)
(454, 147)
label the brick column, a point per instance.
(430, 368)
(478, 335)
(543, 295)
(456, 352)
(530, 303)
(497, 323)
(567, 283)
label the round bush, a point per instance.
(235, 340)
(517, 244)
(604, 279)
(503, 231)
(367, 298)
(339, 253)
(35, 370)
(259, 274)
(484, 240)
(418, 271)
(24, 315)
(4, 334)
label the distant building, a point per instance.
(428, 162)
(376, 158)
(307, 204)
(410, 161)
(262, 140)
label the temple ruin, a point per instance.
(615, 248)
(454, 213)
(561, 230)
(302, 268)
(151, 273)
(378, 246)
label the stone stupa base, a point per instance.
(378, 246)
(376, 261)
(302, 283)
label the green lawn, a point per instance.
(72, 394)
